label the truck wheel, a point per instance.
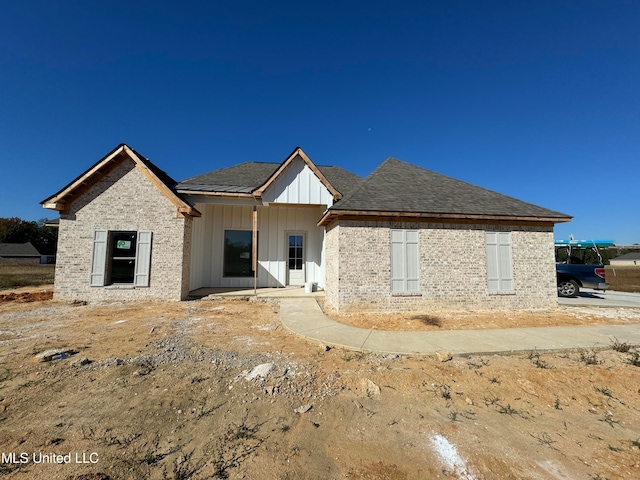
(568, 288)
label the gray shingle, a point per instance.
(18, 250)
(397, 186)
(248, 176)
(628, 256)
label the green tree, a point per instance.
(16, 230)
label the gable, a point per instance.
(296, 180)
(297, 184)
(121, 154)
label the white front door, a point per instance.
(295, 258)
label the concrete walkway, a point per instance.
(304, 317)
(597, 298)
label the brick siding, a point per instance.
(123, 199)
(453, 273)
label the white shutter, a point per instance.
(412, 259)
(98, 258)
(398, 275)
(504, 262)
(143, 259)
(405, 261)
(499, 263)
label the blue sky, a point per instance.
(537, 100)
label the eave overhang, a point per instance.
(61, 200)
(331, 216)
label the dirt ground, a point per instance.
(220, 389)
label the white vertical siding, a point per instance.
(298, 184)
(273, 223)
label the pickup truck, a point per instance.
(571, 277)
(579, 265)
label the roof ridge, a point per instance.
(364, 181)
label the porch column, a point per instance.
(254, 249)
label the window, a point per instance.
(499, 264)
(295, 252)
(405, 261)
(121, 258)
(238, 248)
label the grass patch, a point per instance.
(623, 279)
(589, 357)
(16, 276)
(622, 347)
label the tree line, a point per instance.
(17, 230)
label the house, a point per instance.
(21, 253)
(627, 260)
(404, 238)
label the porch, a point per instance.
(290, 247)
(268, 292)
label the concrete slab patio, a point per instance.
(303, 316)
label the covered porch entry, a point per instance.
(285, 292)
(289, 246)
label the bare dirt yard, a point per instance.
(220, 389)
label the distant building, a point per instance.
(627, 260)
(22, 254)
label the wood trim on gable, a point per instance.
(297, 152)
(61, 200)
(183, 207)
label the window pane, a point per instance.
(298, 264)
(237, 253)
(122, 271)
(123, 244)
(122, 256)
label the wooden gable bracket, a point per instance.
(61, 200)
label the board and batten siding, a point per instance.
(274, 222)
(298, 184)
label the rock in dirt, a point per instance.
(303, 408)
(142, 371)
(443, 356)
(260, 371)
(370, 388)
(80, 362)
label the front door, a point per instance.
(295, 258)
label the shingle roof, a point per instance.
(246, 177)
(18, 250)
(59, 201)
(628, 256)
(397, 186)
